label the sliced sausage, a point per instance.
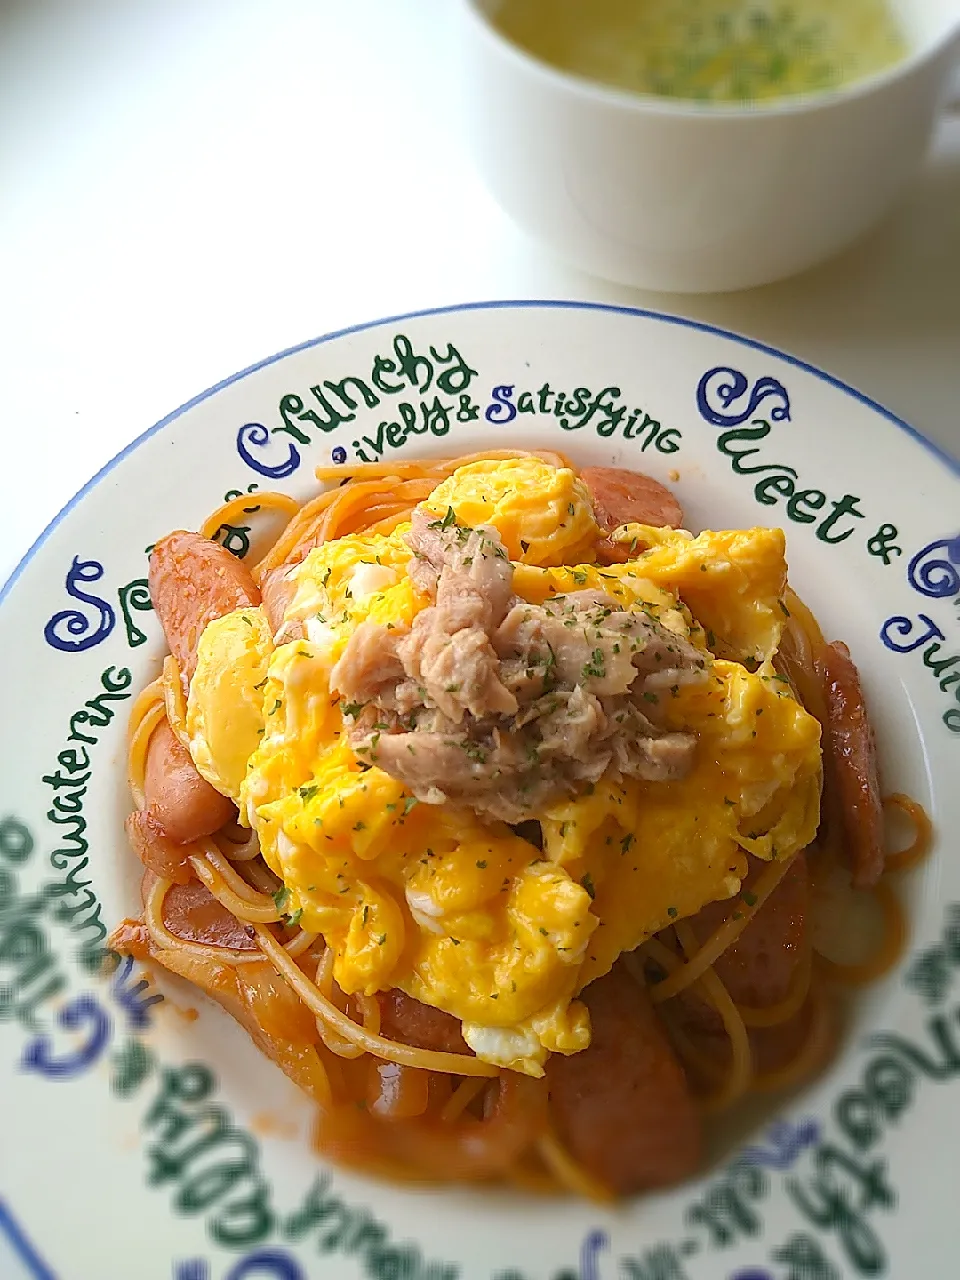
(193, 581)
(853, 759)
(156, 851)
(278, 592)
(628, 497)
(407, 1020)
(622, 1106)
(758, 969)
(192, 912)
(181, 805)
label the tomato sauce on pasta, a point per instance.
(728, 1001)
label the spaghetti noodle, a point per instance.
(412, 1110)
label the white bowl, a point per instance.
(678, 196)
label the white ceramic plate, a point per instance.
(135, 1142)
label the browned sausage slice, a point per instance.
(407, 1020)
(622, 1106)
(853, 756)
(181, 805)
(628, 497)
(758, 969)
(158, 853)
(192, 912)
(193, 581)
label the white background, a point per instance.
(187, 187)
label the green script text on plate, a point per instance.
(709, 50)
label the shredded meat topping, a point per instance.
(501, 705)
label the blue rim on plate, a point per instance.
(953, 464)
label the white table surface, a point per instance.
(187, 187)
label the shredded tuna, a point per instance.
(501, 705)
(368, 665)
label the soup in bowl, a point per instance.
(699, 147)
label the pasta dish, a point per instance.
(496, 807)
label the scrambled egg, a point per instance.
(225, 708)
(543, 514)
(465, 915)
